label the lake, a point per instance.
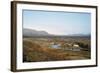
(58, 46)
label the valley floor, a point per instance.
(55, 49)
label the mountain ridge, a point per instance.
(32, 33)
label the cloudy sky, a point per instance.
(60, 23)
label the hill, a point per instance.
(31, 32)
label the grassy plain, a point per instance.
(37, 49)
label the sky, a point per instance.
(59, 23)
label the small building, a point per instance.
(75, 45)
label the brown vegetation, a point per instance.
(35, 51)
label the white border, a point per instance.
(21, 65)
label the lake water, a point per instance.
(58, 46)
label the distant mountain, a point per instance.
(31, 32)
(79, 34)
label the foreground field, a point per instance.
(55, 49)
